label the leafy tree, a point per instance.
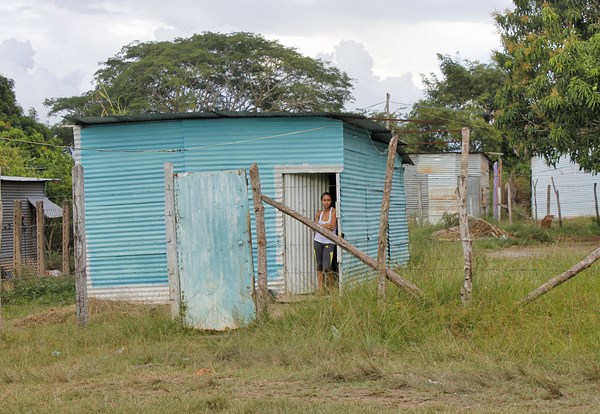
(550, 102)
(462, 97)
(210, 71)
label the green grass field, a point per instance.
(331, 354)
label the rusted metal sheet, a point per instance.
(214, 249)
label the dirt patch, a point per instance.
(478, 229)
(565, 249)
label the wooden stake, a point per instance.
(262, 297)
(17, 238)
(80, 246)
(509, 202)
(171, 234)
(535, 199)
(557, 202)
(41, 243)
(548, 200)
(466, 293)
(66, 237)
(420, 201)
(392, 276)
(596, 204)
(499, 203)
(383, 222)
(563, 277)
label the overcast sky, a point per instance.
(52, 48)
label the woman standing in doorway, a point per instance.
(325, 248)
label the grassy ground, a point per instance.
(331, 354)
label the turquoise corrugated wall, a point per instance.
(361, 194)
(124, 191)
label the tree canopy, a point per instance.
(549, 104)
(206, 72)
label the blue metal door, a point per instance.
(214, 249)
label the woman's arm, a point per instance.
(333, 224)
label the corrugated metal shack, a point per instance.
(575, 187)
(300, 155)
(28, 190)
(436, 176)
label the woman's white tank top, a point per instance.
(320, 238)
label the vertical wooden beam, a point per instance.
(596, 204)
(548, 200)
(261, 243)
(509, 202)
(420, 203)
(495, 192)
(466, 293)
(80, 246)
(66, 239)
(17, 238)
(171, 227)
(499, 203)
(41, 243)
(535, 216)
(557, 202)
(384, 221)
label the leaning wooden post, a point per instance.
(466, 293)
(563, 277)
(41, 243)
(557, 202)
(17, 238)
(262, 305)
(392, 276)
(80, 246)
(171, 234)
(383, 222)
(66, 239)
(548, 200)
(596, 204)
(535, 200)
(509, 202)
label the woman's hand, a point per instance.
(329, 226)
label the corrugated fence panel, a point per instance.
(271, 142)
(575, 187)
(414, 181)
(11, 191)
(124, 206)
(361, 194)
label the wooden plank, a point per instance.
(262, 304)
(66, 237)
(171, 235)
(383, 222)
(40, 240)
(17, 238)
(80, 246)
(392, 276)
(466, 293)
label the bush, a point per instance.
(45, 290)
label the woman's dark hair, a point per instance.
(326, 193)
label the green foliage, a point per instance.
(206, 72)
(54, 291)
(550, 102)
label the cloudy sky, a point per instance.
(52, 47)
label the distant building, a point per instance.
(435, 177)
(575, 189)
(28, 190)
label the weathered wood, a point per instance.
(171, 235)
(563, 277)
(509, 202)
(66, 236)
(535, 199)
(392, 276)
(420, 203)
(40, 240)
(466, 293)
(80, 246)
(383, 222)
(548, 200)
(1, 217)
(17, 238)
(596, 203)
(499, 203)
(557, 202)
(262, 297)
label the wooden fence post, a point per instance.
(535, 199)
(262, 304)
(41, 243)
(171, 233)
(509, 202)
(383, 222)
(80, 246)
(420, 202)
(557, 202)
(1, 217)
(466, 293)
(17, 238)
(596, 204)
(66, 239)
(548, 200)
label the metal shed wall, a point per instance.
(361, 194)
(576, 188)
(11, 191)
(124, 191)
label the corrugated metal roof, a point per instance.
(51, 210)
(26, 179)
(377, 131)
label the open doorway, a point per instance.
(302, 193)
